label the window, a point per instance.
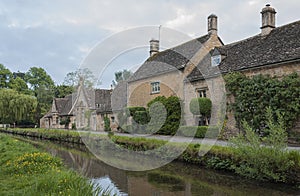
(155, 87)
(215, 60)
(201, 92)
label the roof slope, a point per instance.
(280, 45)
(102, 100)
(169, 60)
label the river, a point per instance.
(171, 180)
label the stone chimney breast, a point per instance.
(154, 47)
(268, 19)
(212, 24)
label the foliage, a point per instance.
(219, 157)
(133, 109)
(5, 77)
(62, 91)
(72, 79)
(253, 95)
(107, 124)
(121, 76)
(201, 106)
(27, 171)
(263, 162)
(170, 106)
(15, 107)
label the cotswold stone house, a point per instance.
(274, 51)
(164, 73)
(85, 109)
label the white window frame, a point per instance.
(155, 87)
(202, 92)
(215, 60)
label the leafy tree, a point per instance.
(72, 78)
(5, 76)
(63, 90)
(16, 107)
(19, 85)
(37, 77)
(121, 76)
(43, 88)
(201, 106)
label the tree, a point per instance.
(43, 88)
(37, 77)
(5, 76)
(19, 85)
(16, 107)
(201, 106)
(121, 76)
(63, 90)
(72, 78)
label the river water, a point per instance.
(171, 180)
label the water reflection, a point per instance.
(171, 180)
(107, 185)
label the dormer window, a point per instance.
(215, 60)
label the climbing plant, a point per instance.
(252, 95)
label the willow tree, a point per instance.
(16, 107)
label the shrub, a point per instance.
(199, 131)
(253, 94)
(172, 109)
(106, 124)
(201, 106)
(263, 162)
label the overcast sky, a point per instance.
(58, 34)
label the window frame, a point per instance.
(202, 92)
(213, 60)
(155, 87)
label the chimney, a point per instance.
(268, 19)
(154, 47)
(212, 25)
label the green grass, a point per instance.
(27, 171)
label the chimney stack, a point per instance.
(154, 47)
(212, 26)
(268, 19)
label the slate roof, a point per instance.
(282, 44)
(169, 60)
(119, 96)
(103, 100)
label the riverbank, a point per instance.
(26, 170)
(218, 157)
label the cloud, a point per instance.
(57, 34)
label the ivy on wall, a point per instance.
(254, 94)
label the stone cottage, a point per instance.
(85, 109)
(274, 51)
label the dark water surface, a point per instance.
(172, 179)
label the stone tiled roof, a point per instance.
(281, 45)
(119, 96)
(102, 100)
(169, 60)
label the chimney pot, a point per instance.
(212, 25)
(154, 47)
(268, 19)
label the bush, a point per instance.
(133, 109)
(263, 162)
(106, 124)
(253, 94)
(199, 131)
(201, 106)
(171, 111)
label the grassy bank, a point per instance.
(218, 157)
(27, 171)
